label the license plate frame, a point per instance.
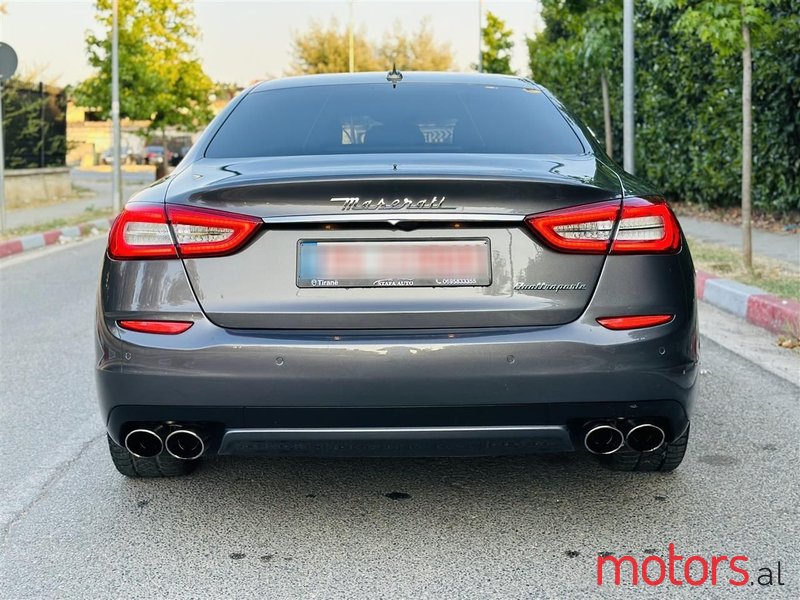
(482, 277)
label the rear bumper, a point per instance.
(510, 391)
(550, 380)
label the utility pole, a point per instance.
(352, 57)
(8, 66)
(627, 87)
(116, 141)
(2, 167)
(480, 36)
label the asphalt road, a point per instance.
(71, 527)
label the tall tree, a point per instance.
(161, 79)
(602, 42)
(726, 26)
(419, 51)
(497, 45)
(325, 49)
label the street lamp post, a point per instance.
(627, 87)
(116, 175)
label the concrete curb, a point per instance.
(753, 304)
(54, 236)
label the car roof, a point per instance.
(380, 77)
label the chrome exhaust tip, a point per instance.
(603, 439)
(143, 443)
(185, 444)
(645, 438)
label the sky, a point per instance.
(245, 40)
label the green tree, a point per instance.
(497, 45)
(602, 43)
(418, 51)
(582, 43)
(726, 26)
(325, 49)
(34, 123)
(161, 79)
(688, 104)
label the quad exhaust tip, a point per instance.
(143, 443)
(645, 438)
(603, 439)
(185, 444)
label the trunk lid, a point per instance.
(380, 201)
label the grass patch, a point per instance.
(768, 274)
(77, 192)
(90, 214)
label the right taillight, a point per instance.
(647, 226)
(145, 231)
(643, 226)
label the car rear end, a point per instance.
(441, 267)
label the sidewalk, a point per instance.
(779, 246)
(39, 215)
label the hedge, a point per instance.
(688, 100)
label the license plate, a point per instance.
(406, 263)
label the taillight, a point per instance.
(645, 226)
(584, 229)
(634, 321)
(160, 327)
(141, 231)
(156, 231)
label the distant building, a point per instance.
(88, 136)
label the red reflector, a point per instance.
(634, 322)
(161, 327)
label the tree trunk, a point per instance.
(161, 169)
(607, 114)
(747, 145)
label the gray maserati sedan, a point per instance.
(417, 264)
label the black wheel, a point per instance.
(162, 465)
(664, 459)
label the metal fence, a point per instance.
(34, 125)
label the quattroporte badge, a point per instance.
(549, 287)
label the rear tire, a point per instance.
(664, 459)
(162, 465)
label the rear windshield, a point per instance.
(376, 118)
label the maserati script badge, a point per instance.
(356, 203)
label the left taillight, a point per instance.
(145, 231)
(632, 226)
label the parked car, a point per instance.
(177, 157)
(383, 265)
(154, 155)
(129, 157)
